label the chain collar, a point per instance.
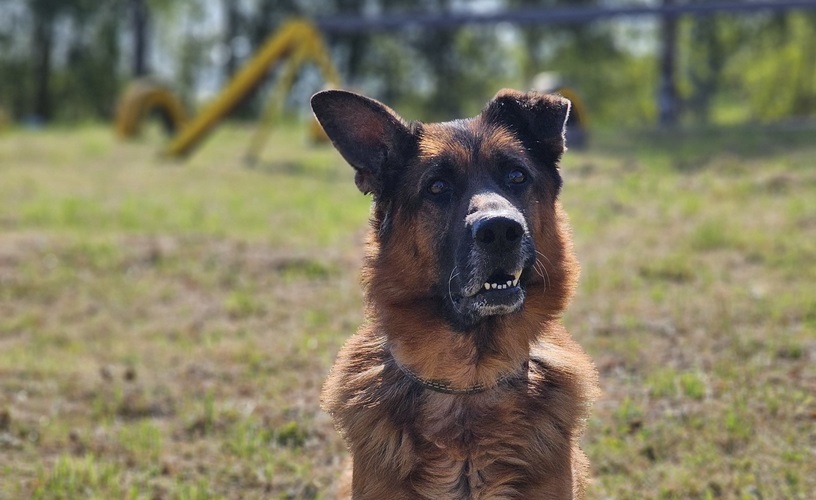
(446, 387)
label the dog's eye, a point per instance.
(438, 186)
(516, 177)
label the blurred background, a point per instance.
(68, 60)
(168, 316)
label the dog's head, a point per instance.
(465, 213)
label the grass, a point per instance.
(165, 329)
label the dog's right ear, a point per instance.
(367, 133)
(538, 119)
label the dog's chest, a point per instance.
(476, 447)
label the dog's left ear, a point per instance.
(369, 135)
(538, 119)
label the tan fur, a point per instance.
(516, 440)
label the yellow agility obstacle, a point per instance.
(143, 97)
(298, 42)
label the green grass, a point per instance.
(165, 328)
(696, 303)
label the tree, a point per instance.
(777, 71)
(43, 12)
(667, 104)
(140, 15)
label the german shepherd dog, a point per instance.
(462, 383)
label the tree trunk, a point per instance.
(141, 32)
(667, 93)
(231, 18)
(43, 38)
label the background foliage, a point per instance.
(68, 59)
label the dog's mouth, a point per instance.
(501, 292)
(501, 281)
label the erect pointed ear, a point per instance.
(538, 119)
(367, 133)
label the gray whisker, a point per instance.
(547, 277)
(450, 294)
(543, 267)
(544, 256)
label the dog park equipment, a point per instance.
(143, 97)
(296, 43)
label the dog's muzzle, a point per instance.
(498, 252)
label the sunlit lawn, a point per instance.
(165, 328)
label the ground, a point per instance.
(165, 328)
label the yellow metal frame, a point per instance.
(303, 54)
(142, 97)
(299, 42)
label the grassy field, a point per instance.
(165, 329)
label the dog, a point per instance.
(462, 383)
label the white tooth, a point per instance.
(487, 286)
(494, 286)
(515, 282)
(509, 282)
(517, 274)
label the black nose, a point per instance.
(498, 233)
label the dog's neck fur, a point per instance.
(461, 362)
